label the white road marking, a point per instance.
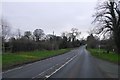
(57, 64)
(29, 65)
(13, 69)
(47, 76)
(39, 74)
(43, 72)
(23, 66)
(20, 67)
(67, 58)
(51, 68)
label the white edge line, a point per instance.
(47, 76)
(18, 67)
(13, 69)
(22, 66)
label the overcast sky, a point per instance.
(50, 16)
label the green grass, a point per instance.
(0, 61)
(12, 59)
(112, 57)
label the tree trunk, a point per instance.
(117, 39)
(37, 39)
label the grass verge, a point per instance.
(10, 60)
(112, 57)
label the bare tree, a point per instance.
(71, 35)
(65, 33)
(107, 18)
(18, 33)
(74, 33)
(27, 34)
(5, 32)
(5, 29)
(38, 33)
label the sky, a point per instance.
(57, 16)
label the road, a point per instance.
(77, 63)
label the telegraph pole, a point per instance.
(99, 48)
(53, 42)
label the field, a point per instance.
(102, 54)
(9, 60)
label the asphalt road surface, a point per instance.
(77, 63)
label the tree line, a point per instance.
(37, 40)
(107, 18)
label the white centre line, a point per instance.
(47, 76)
(43, 72)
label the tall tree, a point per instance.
(74, 33)
(108, 19)
(38, 33)
(5, 29)
(91, 41)
(27, 34)
(18, 33)
(5, 32)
